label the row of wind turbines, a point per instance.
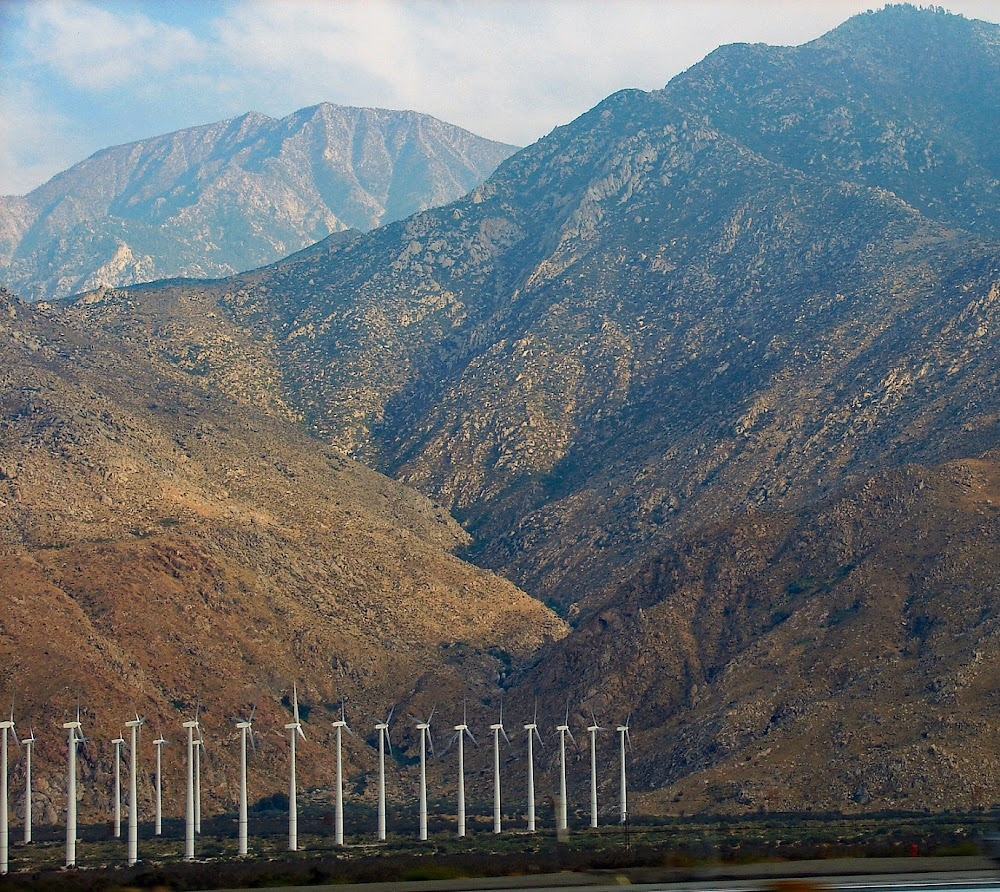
(195, 742)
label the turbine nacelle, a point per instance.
(295, 725)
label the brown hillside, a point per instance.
(160, 547)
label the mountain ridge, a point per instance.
(235, 194)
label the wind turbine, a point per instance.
(497, 730)
(293, 815)
(29, 743)
(4, 826)
(531, 728)
(118, 742)
(158, 824)
(74, 740)
(245, 727)
(562, 730)
(341, 726)
(623, 735)
(383, 741)
(189, 726)
(133, 796)
(592, 729)
(425, 738)
(460, 732)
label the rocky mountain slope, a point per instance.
(712, 370)
(530, 355)
(161, 547)
(839, 658)
(213, 200)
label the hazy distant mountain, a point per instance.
(213, 200)
(712, 369)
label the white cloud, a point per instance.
(94, 48)
(102, 74)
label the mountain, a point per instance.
(711, 370)
(837, 658)
(230, 196)
(163, 549)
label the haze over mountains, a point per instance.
(710, 370)
(230, 196)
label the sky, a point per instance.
(77, 76)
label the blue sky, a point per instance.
(77, 76)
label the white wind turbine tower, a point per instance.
(383, 741)
(562, 730)
(29, 743)
(158, 816)
(133, 795)
(199, 748)
(592, 729)
(118, 742)
(460, 732)
(623, 735)
(4, 824)
(531, 728)
(497, 730)
(425, 738)
(341, 726)
(189, 726)
(74, 740)
(293, 728)
(245, 727)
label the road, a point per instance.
(843, 875)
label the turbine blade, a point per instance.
(571, 737)
(473, 739)
(301, 732)
(504, 732)
(295, 701)
(541, 742)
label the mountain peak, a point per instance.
(230, 196)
